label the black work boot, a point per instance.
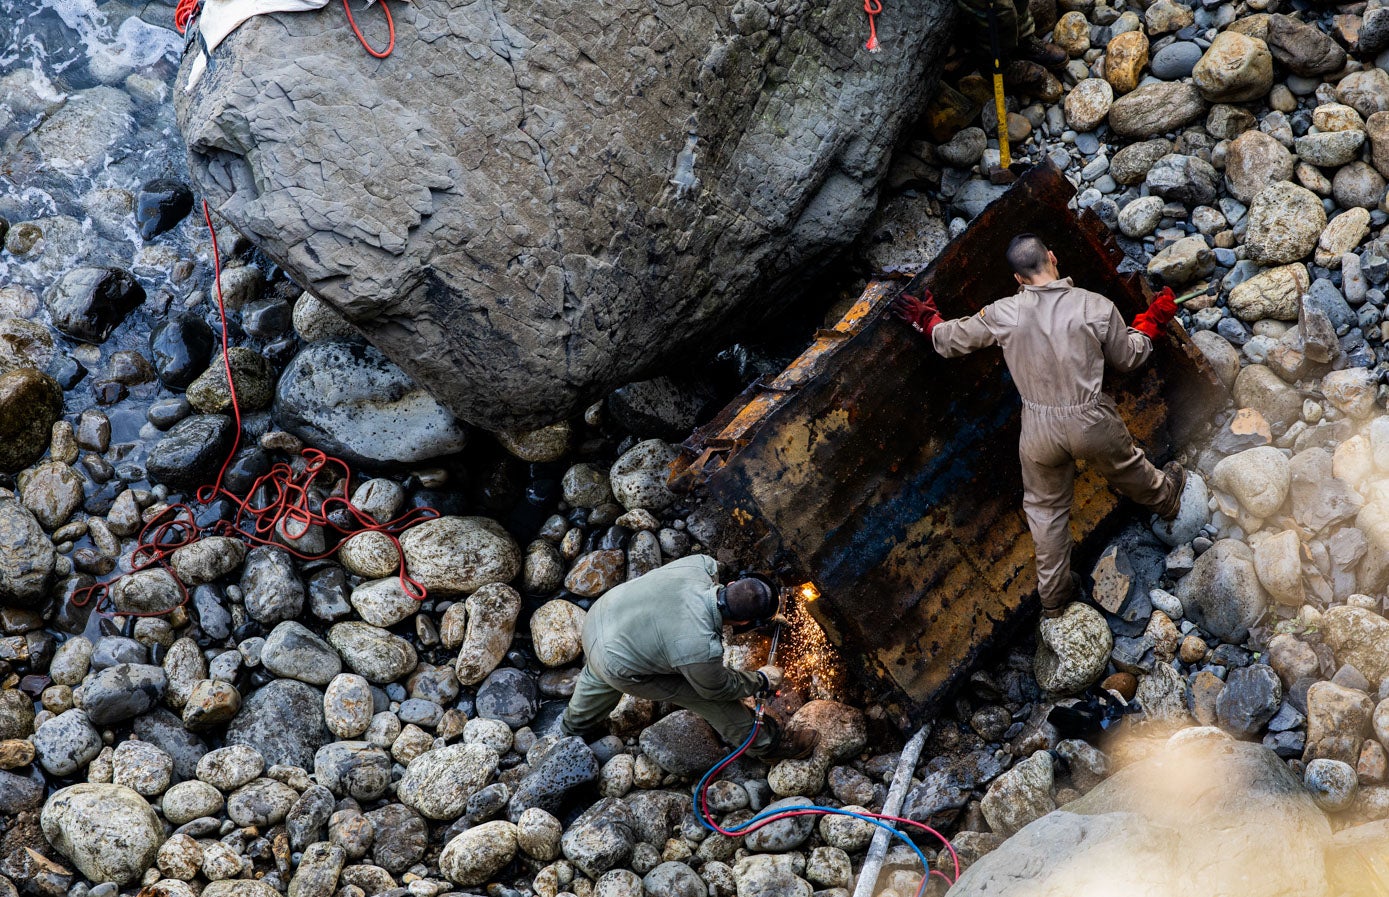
(786, 745)
(1032, 79)
(1041, 52)
(1077, 593)
(1174, 484)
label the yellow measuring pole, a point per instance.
(1004, 155)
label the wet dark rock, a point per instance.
(30, 403)
(682, 743)
(27, 557)
(165, 731)
(249, 465)
(351, 401)
(279, 352)
(271, 585)
(68, 372)
(160, 205)
(266, 318)
(283, 720)
(1249, 700)
(123, 691)
(566, 766)
(88, 303)
(109, 392)
(181, 349)
(661, 407)
(192, 452)
(167, 412)
(509, 695)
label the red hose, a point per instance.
(810, 811)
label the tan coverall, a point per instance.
(660, 637)
(1055, 340)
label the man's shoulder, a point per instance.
(1097, 305)
(1091, 295)
(693, 562)
(1001, 311)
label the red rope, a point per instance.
(183, 13)
(165, 533)
(288, 510)
(390, 23)
(873, 8)
(187, 9)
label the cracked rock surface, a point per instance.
(529, 203)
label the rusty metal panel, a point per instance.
(888, 476)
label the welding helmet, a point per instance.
(770, 608)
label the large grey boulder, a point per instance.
(1204, 814)
(527, 205)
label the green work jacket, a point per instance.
(665, 622)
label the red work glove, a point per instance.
(921, 312)
(1162, 309)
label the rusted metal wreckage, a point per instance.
(888, 476)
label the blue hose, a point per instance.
(768, 814)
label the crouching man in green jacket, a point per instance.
(659, 637)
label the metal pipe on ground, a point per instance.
(892, 806)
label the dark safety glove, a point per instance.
(920, 312)
(1162, 309)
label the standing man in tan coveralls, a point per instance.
(1055, 340)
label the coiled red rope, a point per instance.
(186, 10)
(183, 14)
(287, 508)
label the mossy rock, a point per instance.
(30, 403)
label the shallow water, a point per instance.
(57, 53)
(117, 61)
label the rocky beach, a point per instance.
(282, 716)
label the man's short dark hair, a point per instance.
(1027, 254)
